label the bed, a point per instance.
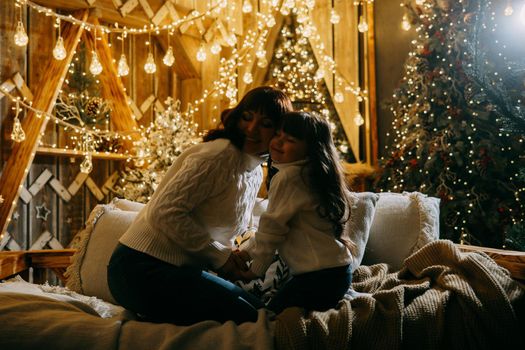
(440, 295)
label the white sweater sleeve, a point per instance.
(171, 211)
(284, 200)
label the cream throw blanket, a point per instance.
(440, 299)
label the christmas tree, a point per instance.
(160, 145)
(294, 70)
(459, 122)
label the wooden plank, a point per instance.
(110, 182)
(128, 7)
(71, 153)
(137, 114)
(147, 8)
(22, 154)
(25, 195)
(7, 86)
(50, 258)
(93, 188)
(370, 83)
(161, 14)
(42, 240)
(12, 263)
(22, 87)
(512, 260)
(147, 103)
(77, 183)
(60, 190)
(7, 240)
(40, 182)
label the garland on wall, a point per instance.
(90, 139)
(459, 112)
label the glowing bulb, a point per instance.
(420, 2)
(21, 38)
(201, 54)
(319, 74)
(95, 67)
(405, 24)
(18, 134)
(261, 52)
(231, 40)
(59, 52)
(338, 97)
(310, 4)
(247, 6)
(122, 68)
(247, 78)
(358, 119)
(270, 22)
(169, 59)
(150, 67)
(215, 47)
(362, 26)
(262, 62)
(508, 10)
(87, 165)
(334, 17)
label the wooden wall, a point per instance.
(185, 81)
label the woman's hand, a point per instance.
(231, 270)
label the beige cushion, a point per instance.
(403, 223)
(88, 272)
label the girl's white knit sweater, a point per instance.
(292, 226)
(204, 201)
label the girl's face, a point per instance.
(258, 130)
(285, 148)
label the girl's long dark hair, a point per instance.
(266, 100)
(325, 173)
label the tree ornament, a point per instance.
(87, 164)
(59, 52)
(42, 212)
(95, 67)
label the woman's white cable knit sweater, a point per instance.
(204, 201)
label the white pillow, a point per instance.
(127, 205)
(403, 223)
(87, 273)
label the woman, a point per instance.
(158, 270)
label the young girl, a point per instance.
(306, 217)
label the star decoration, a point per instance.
(42, 212)
(16, 215)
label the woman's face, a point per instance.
(258, 130)
(285, 148)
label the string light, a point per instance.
(405, 24)
(215, 47)
(169, 58)
(358, 119)
(334, 17)
(18, 134)
(363, 25)
(59, 52)
(95, 67)
(247, 6)
(122, 67)
(21, 38)
(201, 53)
(150, 67)
(508, 9)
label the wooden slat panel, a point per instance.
(23, 153)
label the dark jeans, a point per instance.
(162, 292)
(318, 290)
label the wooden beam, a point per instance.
(22, 154)
(111, 85)
(371, 84)
(12, 263)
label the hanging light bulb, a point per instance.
(122, 68)
(334, 17)
(87, 165)
(261, 52)
(18, 134)
(231, 40)
(262, 62)
(247, 78)
(339, 97)
(508, 9)
(319, 74)
(270, 22)
(358, 119)
(215, 47)
(95, 67)
(59, 52)
(405, 24)
(362, 26)
(21, 38)
(247, 6)
(310, 4)
(169, 59)
(201, 54)
(150, 67)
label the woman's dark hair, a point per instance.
(325, 173)
(266, 100)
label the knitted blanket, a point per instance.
(440, 299)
